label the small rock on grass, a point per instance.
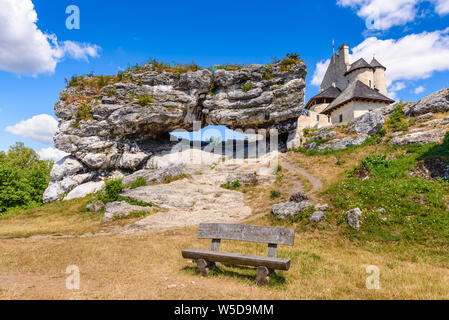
(353, 218)
(317, 216)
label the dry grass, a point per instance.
(134, 267)
(57, 219)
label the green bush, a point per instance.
(396, 121)
(139, 182)
(112, 190)
(23, 178)
(83, 112)
(145, 100)
(275, 194)
(235, 185)
(247, 87)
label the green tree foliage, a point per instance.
(23, 178)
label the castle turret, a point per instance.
(380, 80)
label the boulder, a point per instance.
(291, 209)
(299, 197)
(353, 218)
(435, 102)
(420, 137)
(67, 166)
(317, 216)
(370, 123)
(120, 209)
(85, 189)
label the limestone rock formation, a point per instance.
(291, 209)
(420, 137)
(435, 102)
(122, 122)
(370, 123)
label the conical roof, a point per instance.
(359, 64)
(376, 64)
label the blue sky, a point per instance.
(410, 35)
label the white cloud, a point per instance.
(320, 71)
(51, 154)
(24, 49)
(40, 128)
(384, 14)
(415, 56)
(419, 90)
(442, 6)
(394, 88)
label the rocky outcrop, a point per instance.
(343, 143)
(291, 209)
(370, 123)
(122, 123)
(435, 102)
(420, 137)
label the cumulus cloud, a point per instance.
(40, 128)
(419, 90)
(320, 71)
(442, 6)
(384, 14)
(51, 154)
(24, 49)
(415, 56)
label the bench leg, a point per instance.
(263, 276)
(202, 267)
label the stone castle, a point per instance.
(347, 92)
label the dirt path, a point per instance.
(294, 169)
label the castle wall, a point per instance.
(353, 110)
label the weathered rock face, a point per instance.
(116, 126)
(370, 123)
(291, 209)
(435, 102)
(122, 125)
(420, 137)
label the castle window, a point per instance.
(370, 84)
(318, 118)
(341, 118)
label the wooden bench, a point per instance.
(265, 265)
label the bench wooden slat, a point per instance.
(240, 232)
(237, 259)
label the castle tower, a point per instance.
(380, 80)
